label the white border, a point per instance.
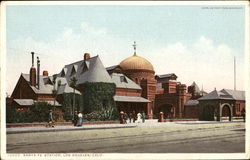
(116, 155)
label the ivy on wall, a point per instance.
(98, 96)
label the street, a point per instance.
(164, 138)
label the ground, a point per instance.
(160, 138)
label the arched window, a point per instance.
(136, 80)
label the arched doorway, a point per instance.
(226, 112)
(167, 109)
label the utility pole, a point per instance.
(234, 73)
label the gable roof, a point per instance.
(236, 94)
(89, 70)
(43, 88)
(225, 94)
(216, 95)
(128, 83)
(46, 88)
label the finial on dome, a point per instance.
(134, 45)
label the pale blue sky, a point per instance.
(66, 32)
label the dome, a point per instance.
(136, 63)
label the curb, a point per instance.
(66, 129)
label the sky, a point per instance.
(197, 43)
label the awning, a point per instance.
(130, 99)
(30, 102)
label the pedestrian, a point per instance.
(130, 117)
(79, 122)
(125, 117)
(143, 116)
(51, 121)
(134, 116)
(75, 119)
(139, 117)
(243, 114)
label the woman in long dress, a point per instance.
(79, 122)
(139, 116)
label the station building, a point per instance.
(138, 88)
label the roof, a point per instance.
(111, 67)
(46, 87)
(136, 63)
(29, 102)
(65, 88)
(225, 94)
(130, 99)
(192, 103)
(121, 81)
(89, 70)
(216, 95)
(236, 94)
(169, 75)
(197, 89)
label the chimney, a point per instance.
(32, 72)
(86, 56)
(32, 53)
(38, 72)
(45, 73)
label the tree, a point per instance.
(73, 81)
(54, 91)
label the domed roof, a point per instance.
(136, 63)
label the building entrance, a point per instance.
(167, 109)
(226, 113)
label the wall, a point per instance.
(127, 92)
(191, 111)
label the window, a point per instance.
(85, 67)
(136, 80)
(64, 71)
(123, 79)
(73, 71)
(159, 85)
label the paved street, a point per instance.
(171, 137)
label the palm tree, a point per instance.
(73, 81)
(54, 91)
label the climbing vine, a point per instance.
(98, 96)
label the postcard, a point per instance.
(125, 80)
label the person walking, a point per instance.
(134, 116)
(125, 117)
(51, 121)
(130, 117)
(139, 117)
(143, 116)
(79, 122)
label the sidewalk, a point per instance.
(153, 122)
